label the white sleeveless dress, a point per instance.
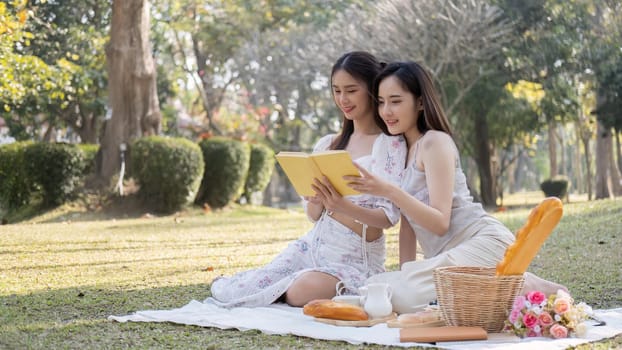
(329, 247)
(474, 238)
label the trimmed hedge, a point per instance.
(556, 187)
(168, 171)
(15, 184)
(259, 171)
(89, 152)
(226, 168)
(56, 169)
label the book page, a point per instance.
(300, 171)
(335, 165)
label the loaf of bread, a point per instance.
(529, 238)
(419, 317)
(326, 308)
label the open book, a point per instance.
(301, 168)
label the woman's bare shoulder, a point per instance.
(437, 139)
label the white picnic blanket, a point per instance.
(282, 320)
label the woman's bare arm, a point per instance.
(407, 242)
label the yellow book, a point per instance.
(301, 168)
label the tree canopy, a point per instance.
(508, 70)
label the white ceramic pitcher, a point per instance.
(377, 299)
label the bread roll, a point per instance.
(419, 317)
(529, 238)
(326, 308)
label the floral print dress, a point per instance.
(328, 247)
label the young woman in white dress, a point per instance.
(437, 208)
(346, 244)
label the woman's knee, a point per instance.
(310, 286)
(297, 293)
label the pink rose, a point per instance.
(530, 319)
(536, 297)
(514, 315)
(519, 302)
(559, 331)
(545, 319)
(560, 306)
(532, 333)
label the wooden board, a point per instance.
(365, 323)
(439, 334)
(397, 324)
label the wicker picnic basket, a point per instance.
(475, 296)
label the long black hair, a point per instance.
(362, 66)
(418, 81)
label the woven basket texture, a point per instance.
(474, 296)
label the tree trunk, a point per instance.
(86, 125)
(562, 168)
(131, 82)
(588, 166)
(510, 170)
(469, 163)
(603, 152)
(484, 164)
(585, 135)
(211, 96)
(520, 173)
(271, 191)
(618, 149)
(206, 90)
(495, 170)
(297, 127)
(552, 149)
(88, 128)
(50, 134)
(578, 174)
(616, 178)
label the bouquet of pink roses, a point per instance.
(556, 316)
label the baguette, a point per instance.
(326, 308)
(529, 238)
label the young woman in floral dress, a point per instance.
(346, 244)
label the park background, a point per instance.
(93, 91)
(532, 88)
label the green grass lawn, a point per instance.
(63, 273)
